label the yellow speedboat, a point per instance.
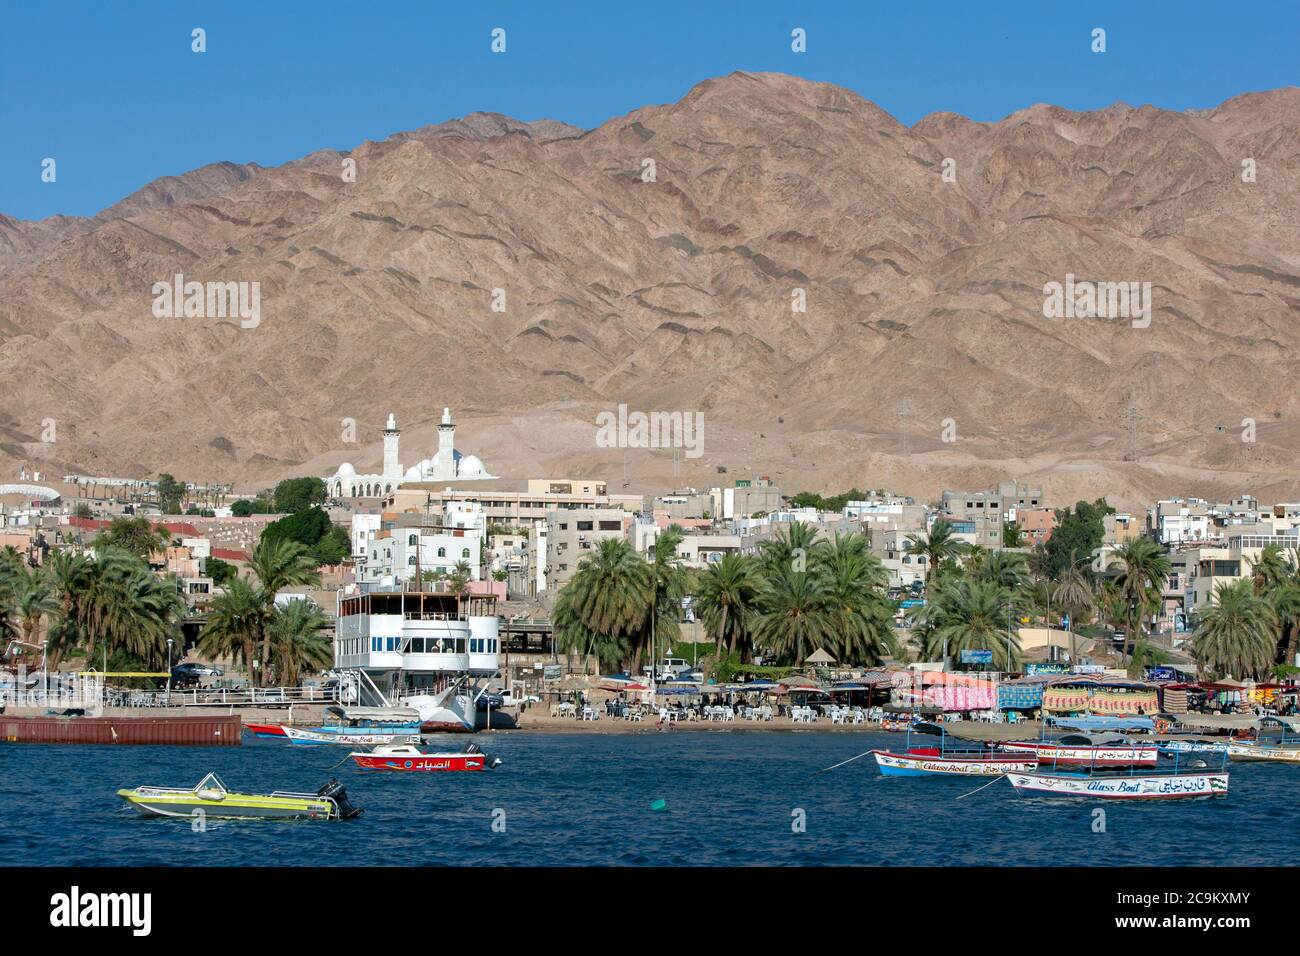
(212, 798)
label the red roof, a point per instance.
(230, 554)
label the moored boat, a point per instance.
(1088, 750)
(1141, 786)
(1282, 747)
(407, 758)
(265, 730)
(966, 759)
(356, 738)
(212, 798)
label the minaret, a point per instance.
(446, 446)
(392, 463)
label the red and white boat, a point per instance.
(1083, 750)
(406, 758)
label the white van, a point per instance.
(669, 667)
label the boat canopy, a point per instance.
(1098, 722)
(375, 715)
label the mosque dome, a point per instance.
(346, 470)
(470, 466)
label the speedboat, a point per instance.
(361, 737)
(405, 757)
(212, 798)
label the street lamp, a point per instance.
(169, 669)
(45, 676)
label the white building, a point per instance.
(387, 553)
(446, 464)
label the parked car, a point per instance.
(191, 674)
(495, 700)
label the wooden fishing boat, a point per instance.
(965, 758)
(409, 759)
(212, 798)
(1143, 786)
(1281, 747)
(1088, 750)
(1185, 777)
(354, 738)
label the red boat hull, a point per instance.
(265, 730)
(429, 763)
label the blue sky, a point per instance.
(114, 94)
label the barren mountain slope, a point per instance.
(924, 300)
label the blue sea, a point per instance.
(729, 798)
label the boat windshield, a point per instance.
(212, 782)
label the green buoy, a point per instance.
(659, 805)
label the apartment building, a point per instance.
(573, 534)
(512, 508)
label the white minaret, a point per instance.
(446, 446)
(392, 462)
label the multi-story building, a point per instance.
(511, 508)
(746, 498)
(573, 534)
(701, 550)
(421, 649)
(408, 544)
(1179, 521)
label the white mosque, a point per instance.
(447, 464)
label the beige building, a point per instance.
(513, 508)
(572, 534)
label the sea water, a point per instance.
(681, 797)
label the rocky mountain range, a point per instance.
(532, 275)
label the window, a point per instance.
(611, 526)
(584, 525)
(411, 540)
(442, 552)
(464, 552)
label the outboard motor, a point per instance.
(472, 748)
(494, 762)
(339, 794)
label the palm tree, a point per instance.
(33, 599)
(1286, 608)
(607, 602)
(299, 641)
(938, 546)
(279, 563)
(1073, 592)
(1236, 635)
(861, 619)
(969, 614)
(140, 536)
(458, 583)
(788, 549)
(669, 585)
(1006, 569)
(1270, 570)
(792, 618)
(725, 595)
(1145, 570)
(572, 635)
(235, 624)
